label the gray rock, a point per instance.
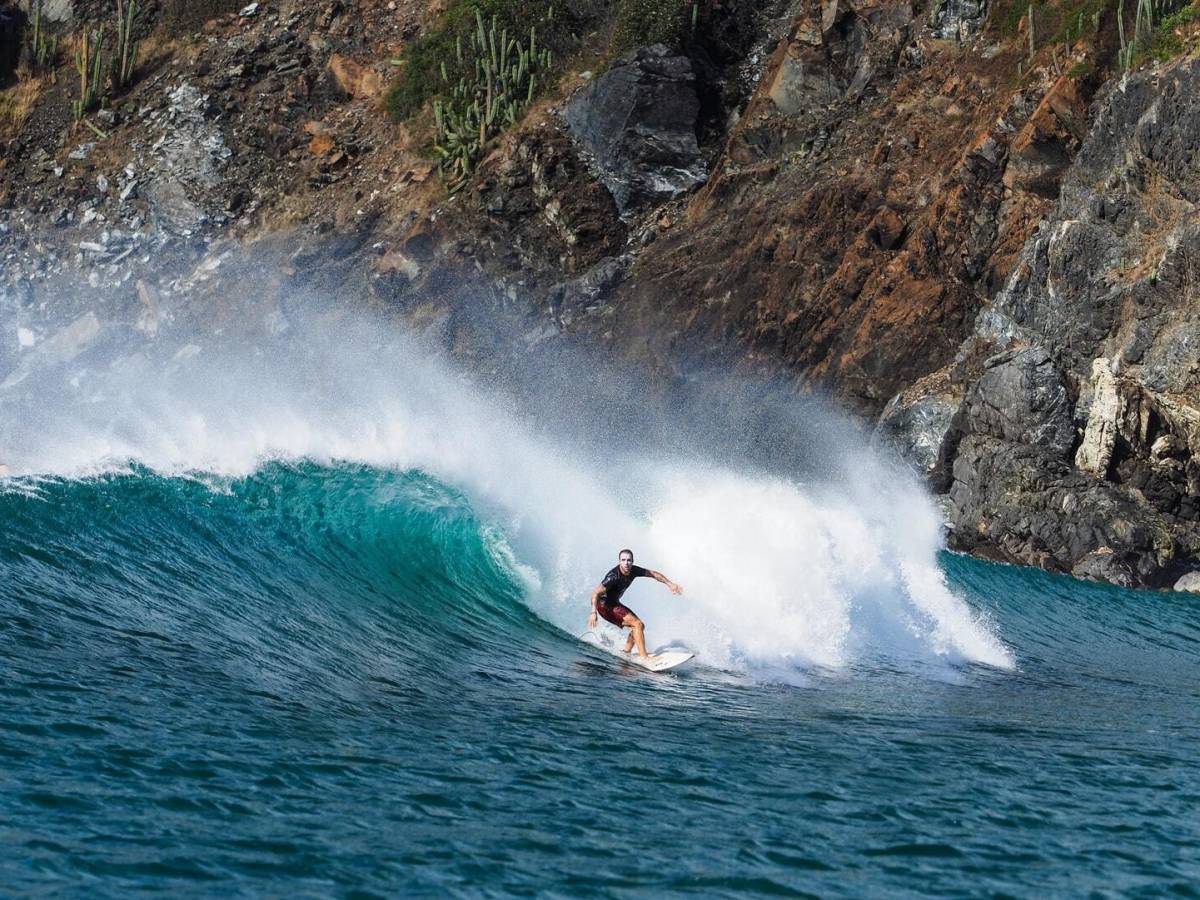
(958, 19)
(1025, 503)
(916, 428)
(799, 87)
(1189, 582)
(53, 10)
(1106, 275)
(190, 154)
(637, 121)
(1109, 282)
(573, 299)
(1103, 564)
(1021, 398)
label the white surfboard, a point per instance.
(660, 660)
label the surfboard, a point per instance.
(660, 660)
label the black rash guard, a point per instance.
(615, 584)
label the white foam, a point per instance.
(778, 575)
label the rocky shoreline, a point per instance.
(1000, 269)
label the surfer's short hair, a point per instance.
(622, 552)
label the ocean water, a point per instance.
(281, 629)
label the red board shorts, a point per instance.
(613, 612)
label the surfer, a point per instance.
(606, 599)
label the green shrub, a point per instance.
(1167, 44)
(420, 79)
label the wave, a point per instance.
(383, 477)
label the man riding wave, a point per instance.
(606, 599)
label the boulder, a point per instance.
(353, 79)
(52, 10)
(1025, 504)
(1189, 582)
(838, 56)
(638, 123)
(570, 300)
(915, 424)
(1021, 398)
(958, 19)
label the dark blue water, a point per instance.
(324, 681)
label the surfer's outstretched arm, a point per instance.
(660, 577)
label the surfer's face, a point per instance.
(626, 563)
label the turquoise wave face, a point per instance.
(295, 561)
(324, 679)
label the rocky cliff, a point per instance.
(985, 244)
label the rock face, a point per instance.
(1014, 492)
(1110, 281)
(638, 121)
(1024, 504)
(857, 217)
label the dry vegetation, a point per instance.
(17, 102)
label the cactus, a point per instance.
(1143, 25)
(1143, 31)
(127, 47)
(477, 109)
(89, 63)
(43, 49)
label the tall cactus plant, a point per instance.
(43, 48)
(127, 47)
(89, 63)
(1143, 31)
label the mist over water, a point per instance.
(796, 548)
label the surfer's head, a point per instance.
(625, 558)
